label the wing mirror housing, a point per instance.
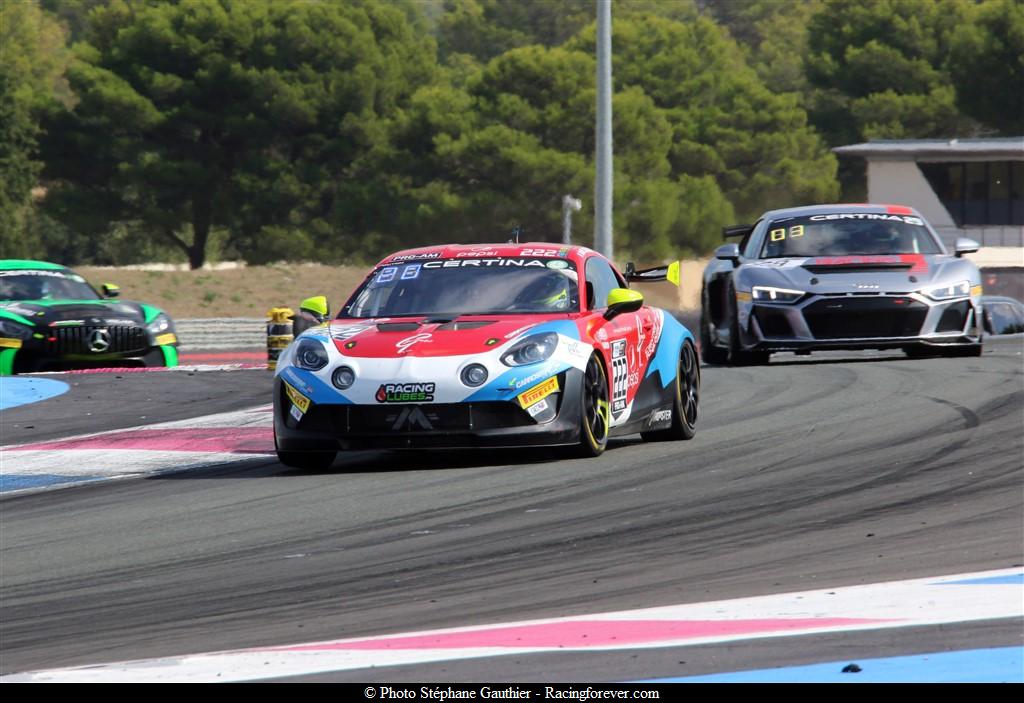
(622, 300)
(728, 252)
(965, 246)
(317, 306)
(110, 290)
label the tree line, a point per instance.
(338, 130)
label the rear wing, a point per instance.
(737, 231)
(668, 273)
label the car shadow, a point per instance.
(389, 461)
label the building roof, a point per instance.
(1011, 148)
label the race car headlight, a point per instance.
(343, 378)
(952, 290)
(531, 350)
(14, 330)
(160, 323)
(770, 294)
(310, 355)
(474, 375)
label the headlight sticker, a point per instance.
(538, 393)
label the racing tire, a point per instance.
(737, 355)
(919, 351)
(305, 460)
(595, 410)
(154, 359)
(687, 398)
(922, 351)
(708, 351)
(967, 350)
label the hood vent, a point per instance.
(398, 326)
(455, 325)
(858, 267)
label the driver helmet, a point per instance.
(27, 288)
(549, 292)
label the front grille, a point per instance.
(120, 339)
(351, 420)
(773, 323)
(875, 317)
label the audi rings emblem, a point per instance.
(99, 340)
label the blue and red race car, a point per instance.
(492, 345)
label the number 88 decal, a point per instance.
(779, 234)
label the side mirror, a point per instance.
(110, 290)
(965, 246)
(316, 306)
(622, 300)
(728, 252)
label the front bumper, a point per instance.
(860, 321)
(333, 427)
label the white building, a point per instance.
(965, 188)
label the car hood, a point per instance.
(430, 337)
(902, 273)
(49, 313)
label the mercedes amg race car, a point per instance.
(487, 346)
(839, 277)
(52, 319)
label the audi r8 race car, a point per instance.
(51, 319)
(839, 277)
(487, 346)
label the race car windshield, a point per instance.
(44, 285)
(844, 234)
(467, 287)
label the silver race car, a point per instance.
(839, 277)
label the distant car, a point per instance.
(501, 345)
(1002, 315)
(839, 277)
(52, 319)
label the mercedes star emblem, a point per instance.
(99, 340)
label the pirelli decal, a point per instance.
(298, 400)
(168, 338)
(10, 343)
(538, 392)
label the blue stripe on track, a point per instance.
(998, 665)
(22, 391)
(1008, 580)
(16, 482)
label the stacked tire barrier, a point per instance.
(280, 333)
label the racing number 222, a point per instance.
(779, 234)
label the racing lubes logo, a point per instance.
(405, 393)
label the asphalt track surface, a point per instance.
(811, 472)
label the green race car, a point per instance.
(51, 319)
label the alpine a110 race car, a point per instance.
(839, 277)
(52, 319)
(487, 346)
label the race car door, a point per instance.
(619, 338)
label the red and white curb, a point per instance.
(941, 600)
(168, 446)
